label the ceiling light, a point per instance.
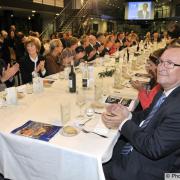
(57, 14)
(33, 11)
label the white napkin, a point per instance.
(21, 88)
(11, 96)
(100, 128)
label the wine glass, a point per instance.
(89, 112)
(80, 101)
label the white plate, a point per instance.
(69, 134)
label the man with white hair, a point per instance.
(149, 145)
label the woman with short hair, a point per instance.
(32, 64)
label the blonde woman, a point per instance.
(33, 63)
(52, 58)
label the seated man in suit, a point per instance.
(144, 13)
(149, 145)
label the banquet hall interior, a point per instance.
(63, 63)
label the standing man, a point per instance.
(144, 13)
(149, 145)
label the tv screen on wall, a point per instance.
(139, 10)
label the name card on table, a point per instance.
(11, 95)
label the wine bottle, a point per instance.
(127, 54)
(138, 47)
(85, 77)
(72, 80)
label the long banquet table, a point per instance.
(62, 158)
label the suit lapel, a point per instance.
(163, 108)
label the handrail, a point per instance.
(83, 7)
(69, 3)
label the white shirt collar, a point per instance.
(167, 93)
(34, 60)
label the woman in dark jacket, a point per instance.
(32, 64)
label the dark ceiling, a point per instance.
(121, 3)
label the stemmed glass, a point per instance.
(80, 101)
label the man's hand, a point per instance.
(100, 49)
(91, 54)
(116, 113)
(9, 72)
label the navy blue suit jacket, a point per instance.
(156, 149)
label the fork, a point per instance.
(82, 124)
(85, 131)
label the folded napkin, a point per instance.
(95, 125)
(100, 128)
(21, 88)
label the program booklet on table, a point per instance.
(37, 130)
(129, 103)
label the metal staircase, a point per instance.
(74, 19)
(69, 19)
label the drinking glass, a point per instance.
(65, 109)
(89, 112)
(2, 98)
(80, 101)
(98, 89)
(66, 72)
(29, 88)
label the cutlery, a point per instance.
(82, 124)
(97, 112)
(111, 115)
(86, 131)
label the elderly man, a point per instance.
(149, 145)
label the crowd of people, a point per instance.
(25, 56)
(148, 145)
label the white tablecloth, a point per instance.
(62, 158)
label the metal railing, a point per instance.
(81, 13)
(57, 17)
(63, 16)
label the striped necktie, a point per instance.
(128, 147)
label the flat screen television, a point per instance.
(139, 10)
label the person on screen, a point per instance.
(144, 13)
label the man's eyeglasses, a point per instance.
(167, 64)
